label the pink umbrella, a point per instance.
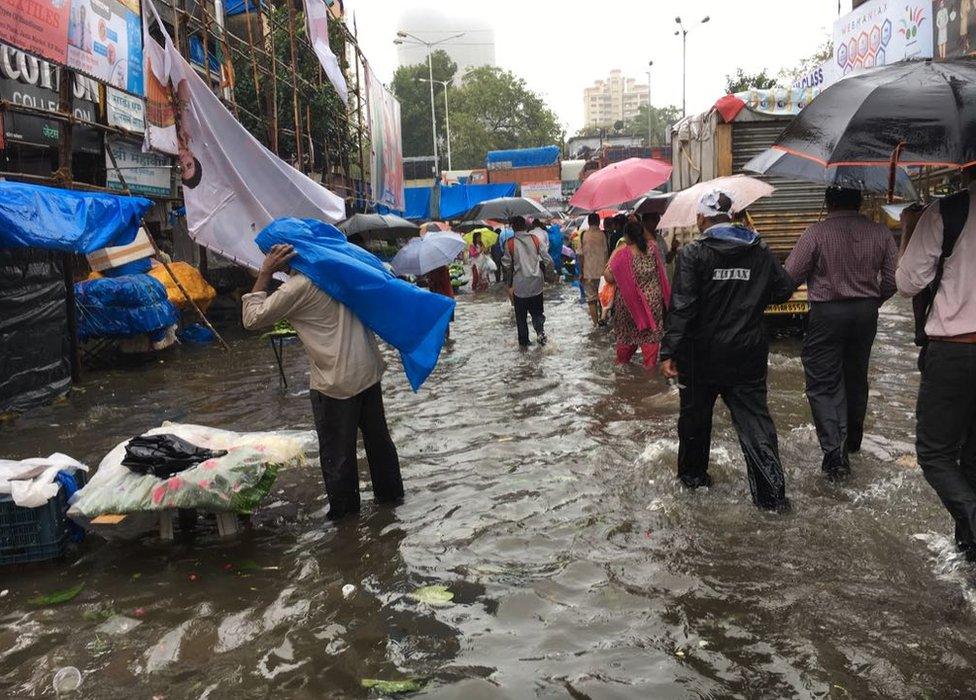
(741, 189)
(620, 182)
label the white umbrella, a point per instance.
(421, 255)
(741, 189)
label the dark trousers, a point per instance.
(523, 308)
(836, 353)
(337, 422)
(757, 435)
(945, 436)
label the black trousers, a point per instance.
(945, 436)
(523, 308)
(337, 422)
(757, 435)
(836, 354)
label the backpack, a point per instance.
(954, 210)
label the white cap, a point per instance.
(709, 205)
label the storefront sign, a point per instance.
(105, 42)
(145, 173)
(125, 111)
(33, 82)
(38, 26)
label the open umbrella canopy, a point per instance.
(653, 203)
(741, 189)
(488, 237)
(382, 226)
(926, 108)
(421, 255)
(867, 178)
(504, 208)
(621, 182)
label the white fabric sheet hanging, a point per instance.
(318, 33)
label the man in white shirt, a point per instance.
(345, 372)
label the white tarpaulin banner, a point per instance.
(318, 33)
(882, 32)
(232, 185)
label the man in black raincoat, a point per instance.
(715, 343)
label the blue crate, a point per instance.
(33, 534)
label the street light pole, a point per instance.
(447, 117)
(650, 105)
(683, 31)
(430, 72)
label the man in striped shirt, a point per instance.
(848, 263)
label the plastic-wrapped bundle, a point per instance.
(235, 482)
(122, 307)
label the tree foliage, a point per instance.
(788, 76)
(741, 81)
(414, 97)
(661, 120)
(493, 109)
(490, 109)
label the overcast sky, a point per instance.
(561, 46)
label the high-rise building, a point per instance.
(615, 99)
(476, 46)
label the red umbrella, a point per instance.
(621, 182)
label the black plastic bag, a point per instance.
(164, 455)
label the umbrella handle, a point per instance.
(893, 170)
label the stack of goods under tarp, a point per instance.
(184, 466)
(131, 306)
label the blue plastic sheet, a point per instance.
(457, 199)
(412, 320)
(523, 157)
(122, 307)
(66, 220)
(417, 202)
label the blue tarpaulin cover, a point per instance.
(66, 220)
(417, 202)
(122, 307)
(412, 320)
(237, 7)
(522, 157)
(457, 199)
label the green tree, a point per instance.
(742, 81)
(661, 120)
(494, 109)
(788, 76)
(414, 96)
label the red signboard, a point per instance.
(39, 27)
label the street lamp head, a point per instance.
(677, 20)
(402, 35)
(398, 42)
(650, 63)
(677, 33)
(705, 21)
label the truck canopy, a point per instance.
(522, 158)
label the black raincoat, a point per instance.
(723, 282)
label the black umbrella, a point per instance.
(506, 207)
(911, 113)
(653, 203)
(867, 178)
(379, 226)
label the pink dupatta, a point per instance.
(622, 267)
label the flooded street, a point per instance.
(540, 491)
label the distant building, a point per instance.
(615, 99)
(474, 49)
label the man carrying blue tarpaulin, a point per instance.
(336, 296)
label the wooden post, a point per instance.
(359, 120)
(273, 111)
(296, 112)
(65, 175)
(152, 242)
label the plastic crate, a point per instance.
(32, 534)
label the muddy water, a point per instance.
(540, 491)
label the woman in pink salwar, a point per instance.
(642, 298)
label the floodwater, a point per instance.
(541, 493)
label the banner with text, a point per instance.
(104, 41)
(144, 173)
(386, 148)
(37, 26)
(882, 32)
